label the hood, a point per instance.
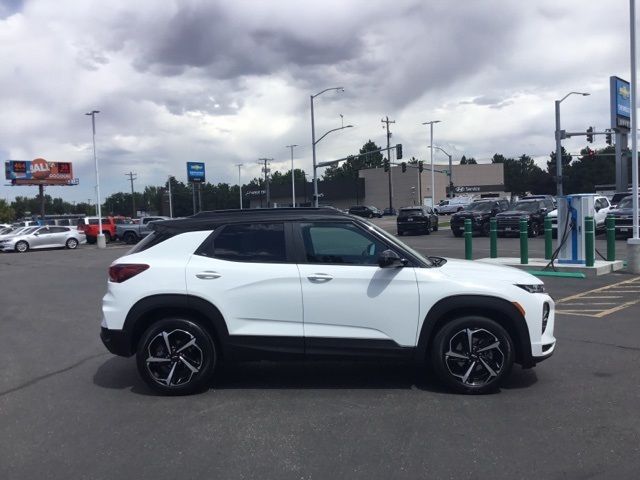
(513, 213)
(622, 212)
(473, 270)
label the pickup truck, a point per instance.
(133, 232)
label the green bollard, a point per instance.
(589, 239)
(611, 238)
(468, 235)
(548, 238)
(493, 237)
(524, 241)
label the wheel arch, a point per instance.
(148, 310)
(497, 309)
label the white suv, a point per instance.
(313, 284)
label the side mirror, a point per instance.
(543, 210)
(597, 209)
(389, 258)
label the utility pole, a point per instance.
(170, 199)
(265, 169)
(132, 176)
(293, 177)
(239, 165)
(387, 122)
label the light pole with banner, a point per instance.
(633, 244)
(293, 177)
(559, 138)
(314, 142)
(100, 240)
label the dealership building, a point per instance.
(372, 187)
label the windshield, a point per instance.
(410, 210)
(29, 230)
(626, 202)
(480, 207)
(527, 206)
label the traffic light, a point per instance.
(386, 165)
(399, 151)
(608, 137)
(590, 134)
(421, 166)
(404, 166)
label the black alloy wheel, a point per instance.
(176, 356)
(130, 238)
(472, 354)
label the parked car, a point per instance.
(617, 197)
(623, 216)
(43, 237)
(91, 228)
(454, 205)
(602, 207)
(480, 213)
(15, 230)
(534, 210)
(133, 232)
(315, 284)
(390, 212)
(541, 197)
(366, 211)
(417, 220)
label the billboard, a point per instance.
(620, 94)
(195, 172)
(39, 172)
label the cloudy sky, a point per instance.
(229, 82)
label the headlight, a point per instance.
(539, 288)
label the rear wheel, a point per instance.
(435, 226)
(457, 233)
(72, 244)
(22, 246)
(130, 238)
(427, 230)
(107, 237)
(176, 356)
(472, 354)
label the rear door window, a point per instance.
(257, 243)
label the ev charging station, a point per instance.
(572, 211)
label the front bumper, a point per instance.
(116, 341)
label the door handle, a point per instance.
(208, 275)
(320, 278)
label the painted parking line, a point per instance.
(597, 302)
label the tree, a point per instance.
(368, 157)
(7, 214)
(522, 175)
(468, 161)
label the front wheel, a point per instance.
(435, 226)
(534, 230)
(22, 246)
(176, 356)
(472, 354)
(485, 229)
(130, 238)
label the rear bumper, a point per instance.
(412, 226)
(116, 341)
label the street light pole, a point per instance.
(100, 240)
(633, 244)
(450, 168)
(559, 192)
(170, 199)
(433, 180)
(239, 165)
(293, 178)
(314, 142)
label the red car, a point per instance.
(90, 227)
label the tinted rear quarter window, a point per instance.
(258, 243)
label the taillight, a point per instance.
(120, 272)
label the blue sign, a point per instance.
(195, 172)
(620, 92)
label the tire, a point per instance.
(473, 372)
(130, 238)
(176, 372)
(457, 233)
(435, 227)
(71, 244)
(107, 237)
(91, 240)
(400, 233)
(427, 230)
(485, 229)
(534, 230)
(22, 246)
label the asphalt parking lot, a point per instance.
(69, 409)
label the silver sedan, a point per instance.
(43, 237)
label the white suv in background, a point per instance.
(602, 208)
(315, 284)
